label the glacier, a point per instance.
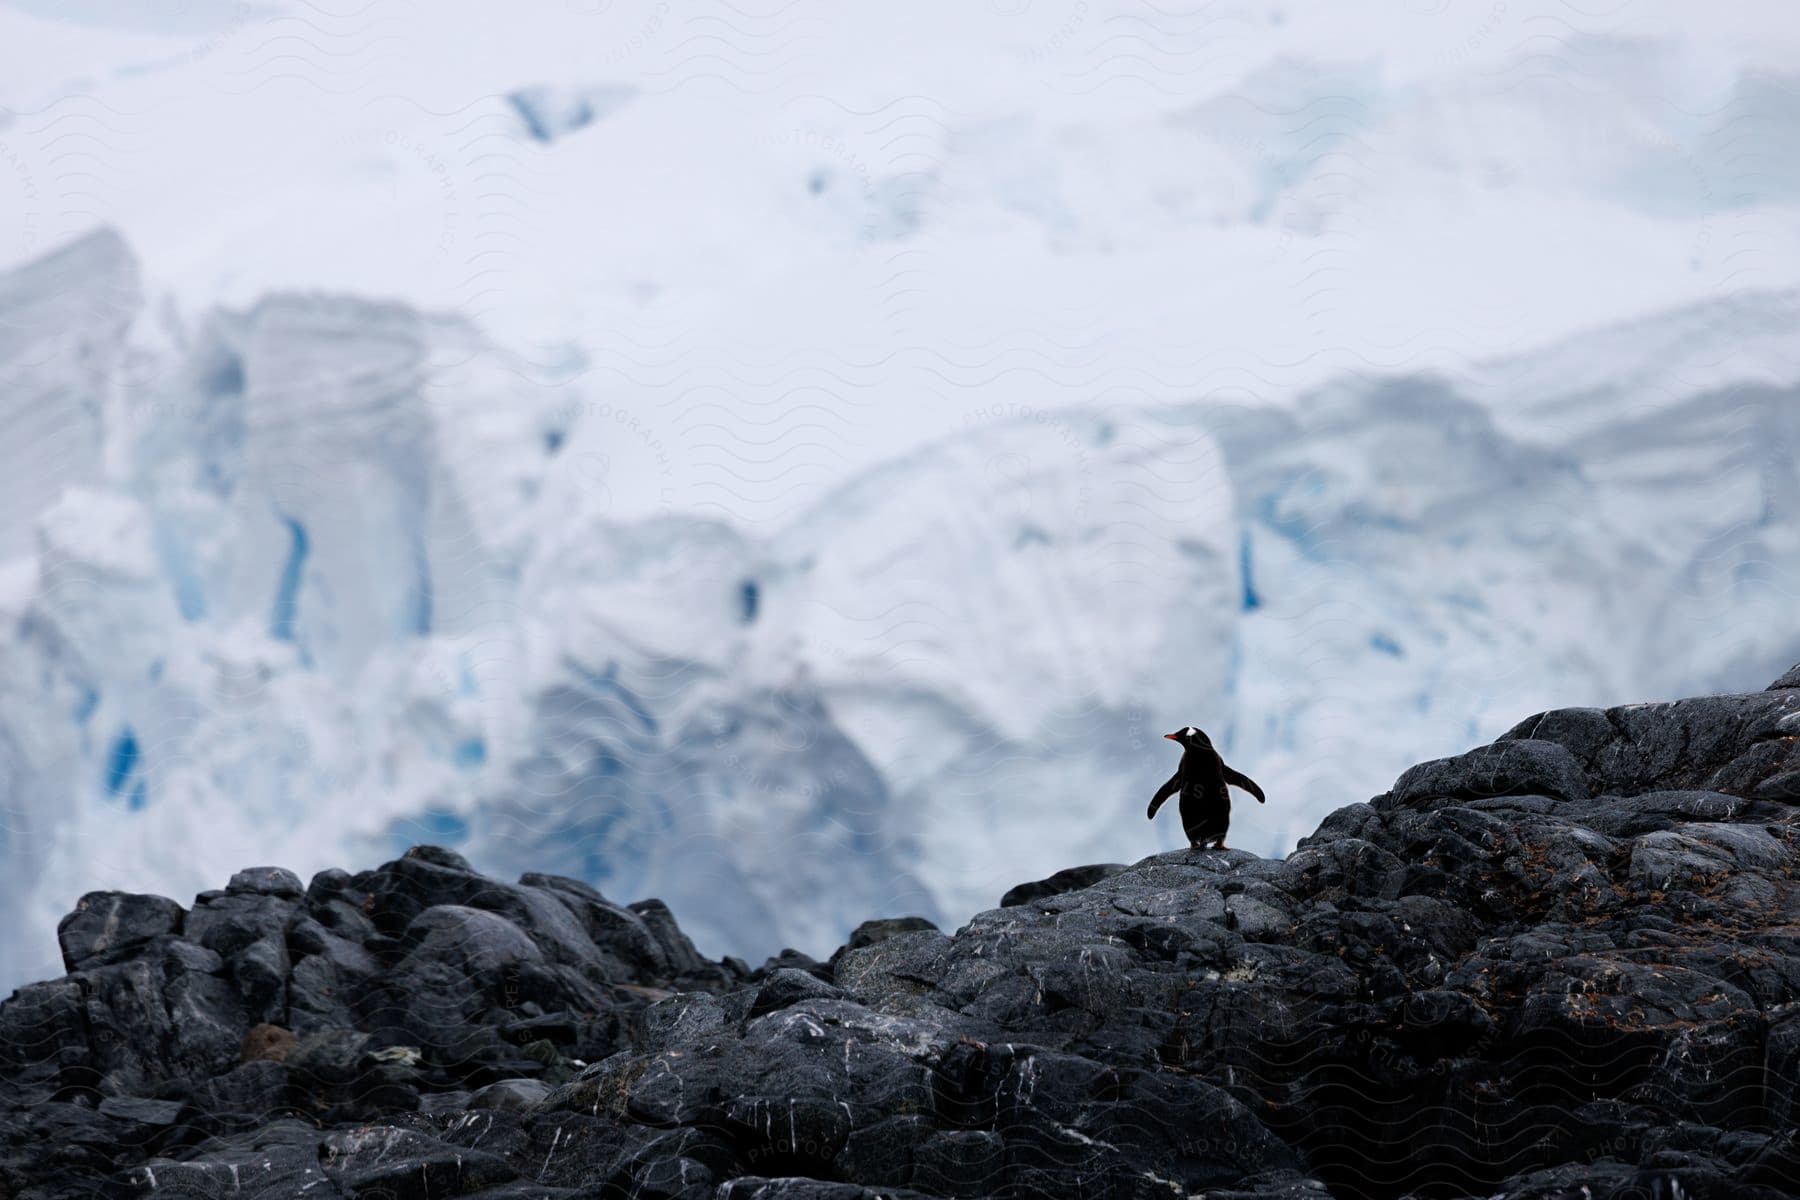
(323, 576)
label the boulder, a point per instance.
(1067, 880)
(108, 926)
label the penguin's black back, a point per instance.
(1205, 798)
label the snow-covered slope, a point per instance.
(337, 577)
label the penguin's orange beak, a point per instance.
(1171, 737)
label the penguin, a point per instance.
(1202, 780)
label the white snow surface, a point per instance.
(796, 461)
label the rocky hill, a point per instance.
(1564, 964)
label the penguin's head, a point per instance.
(1190, 736)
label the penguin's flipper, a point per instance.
(1241, 780)
(1163, 793)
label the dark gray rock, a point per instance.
(398, 1163)
(254, 1092)
(882, 1153)
(281, 1158)
(329, 975)
(800, 1187)
(1067, 880)
(44, 1035)
(688, 1019)
(327, 1058)
(459, 963)
(1529, 767)
(960, 1162)
(788, 986)
(906, 962)
(229, 923)
(108, 926)
(880, 930)
(790, 959)
(267, 881)
(509, 1094)
(438, 856)
(247, 928)
(620, 932)
(144, 1025)
(677, 950)
(141, 1112)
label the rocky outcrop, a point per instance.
(1565, 964)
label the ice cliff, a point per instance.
(337, 576)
